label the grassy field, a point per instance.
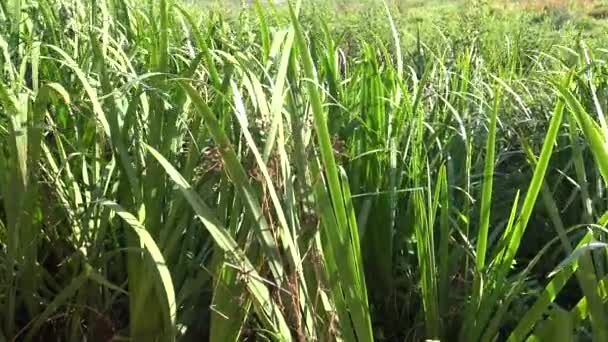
(331, 171)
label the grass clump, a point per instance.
(379, 172)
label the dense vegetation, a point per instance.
(387, 172)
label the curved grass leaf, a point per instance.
(265, 305)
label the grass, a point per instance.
(379, 172)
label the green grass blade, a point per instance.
(361, 320)
(591, 130)
(239, 177)
(160, 273)
(263, 302)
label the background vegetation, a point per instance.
(395, 171)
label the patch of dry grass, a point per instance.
(543, 5)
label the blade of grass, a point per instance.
(265, 305)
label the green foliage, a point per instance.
(331, 171)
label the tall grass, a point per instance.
(168, 173)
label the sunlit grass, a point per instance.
(174, 172)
